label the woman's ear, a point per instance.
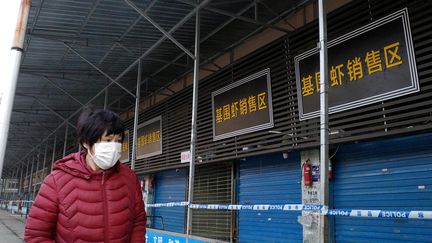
(86, 146)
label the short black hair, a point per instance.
(93, 123)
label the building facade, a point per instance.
(381, 151)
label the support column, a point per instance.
(8, 87)
(16, 178)
(106, 97)
(26, 175)
(194, 123)
(2, 189)
(36, 172)
(20, 184)
(45, 158)
(137, 101)
(53, 152)
(31, 179)
(311, 195)
(324, 126)
(65, 140)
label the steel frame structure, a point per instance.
(146, 53)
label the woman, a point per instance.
(90, 196)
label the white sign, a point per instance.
(185, 156)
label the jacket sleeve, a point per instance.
(41, 222)
(139, 226)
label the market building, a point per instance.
(257, 115)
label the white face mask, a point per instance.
(106, 154)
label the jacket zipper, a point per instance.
(105, 209)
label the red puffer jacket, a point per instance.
(75, 204)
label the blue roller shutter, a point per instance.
(269, 179)
(393, 174)
(170, 187)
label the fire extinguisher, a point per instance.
(330, 171)
(307, 173)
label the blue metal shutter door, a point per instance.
(392, 174)
(269, 179)
(170, 187)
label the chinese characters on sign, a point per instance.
(247, 105)
(149, 138)
(353, 70)
(371, 64)
(185, 156)
(243, 107)
(157, 236)
(125, 148)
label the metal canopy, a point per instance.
(75, 48)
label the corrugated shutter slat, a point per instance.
(269, 180)
(170, 187)
(390, 174)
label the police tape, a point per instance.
(379, 213)
(321, 209)
(170, 204)
(260, 207)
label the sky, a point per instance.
(8, 17)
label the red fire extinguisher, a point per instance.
(307, 173)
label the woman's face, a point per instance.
(108, 138)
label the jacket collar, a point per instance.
(76, 165)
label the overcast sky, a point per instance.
(8, 17)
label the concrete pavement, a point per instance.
(11, 227)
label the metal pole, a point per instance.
(106, 98)
(15, 178)
(1, 188)
(31, 178)
(36, 172)
(194, 121)
(45, 157)
(137, 100)
(65, 141)
(26, 175)
(21, 180)
(7, 93)
(53, 152)
(4, 187)
(3, 182)
(324, 126)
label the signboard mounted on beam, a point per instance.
(243, 107)
(125, 148)
(149, 136)
(371, 64)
